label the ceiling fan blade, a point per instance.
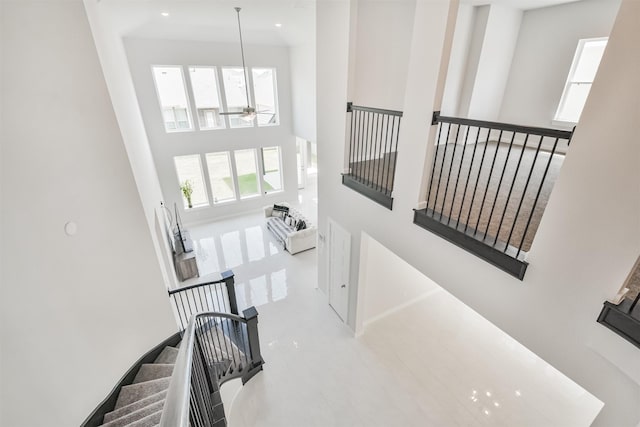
(238, 113)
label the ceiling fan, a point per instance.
(248, 113)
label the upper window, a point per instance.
(236, 93)
(173, 98)
(206, 97)
(264, 89)
(583, 71)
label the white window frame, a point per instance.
(187, 89)
(570, 81)
(234, 179)
(217, 75)
(203, 175)
(262, 170)
(274, 74)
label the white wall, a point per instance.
(553, 310)
(386, 283)
(546, 45)
(143, 53)
(383, 39)
(303, 91)
(75, 312)
(123, 97)
(500, 35)
(456, 71)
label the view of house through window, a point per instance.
(220, 177)
(265, 95)
(583, 71)
(212, 97)
(189, 171)
(206, 97)
(235, 92)
(272, 177)
(173, 98)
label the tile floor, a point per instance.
(436, 363)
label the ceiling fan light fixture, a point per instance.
(248, 117)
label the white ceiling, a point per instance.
(520, 4)
(214, 20)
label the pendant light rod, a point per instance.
(244, 67)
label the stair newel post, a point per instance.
(229, 282)
(251, 315)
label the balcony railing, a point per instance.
(489, 186)
(373, 148)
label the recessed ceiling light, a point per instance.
(278, 25)
(164, 13)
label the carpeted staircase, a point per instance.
(140, 403)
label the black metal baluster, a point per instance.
(378, 144)
(433, 169)
(362, 142)
(444, 156)
(395, 155)
(386, 162)
(475, 189)
(535, 202)
(393, 158)
(524, 192)
(515, 176)
(455, 188)
(486, 189)
(354, 159)
(446, 188)
(380, 161)
(184, 310)
(466, 184)
(504, 168)
(374, 136)
(351, 140)
(175, 302)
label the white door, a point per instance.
(339, 261)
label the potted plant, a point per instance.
(187, 191)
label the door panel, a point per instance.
(339, 265)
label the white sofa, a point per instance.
(293, 241)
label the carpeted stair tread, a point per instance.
(132, 407)
(134, 392)
(153, 371)
(148, 421)
(131, 417)
(168, 355)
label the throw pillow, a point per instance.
(301, 225)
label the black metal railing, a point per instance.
(372, 155)
(489, 185)
(216, 347)
(214, 296)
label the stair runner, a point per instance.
(140, 403)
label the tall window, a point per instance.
(204, 83)
(173, 98)
(189, 171)
(264, 89)
(247, 171)
(583, 70)
(272, 176)
(235, 92)
(220, 177)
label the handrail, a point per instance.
(351, 107)
(205, 297)
(176, 411)
(225, 275)
(552, 133)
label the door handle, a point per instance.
(343, 286)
